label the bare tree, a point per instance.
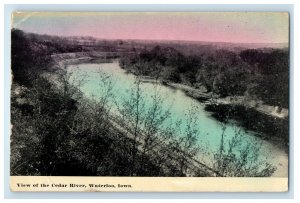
(144, 124)
(237, 157)
(153, 126)
(185, 144)
(133, 111)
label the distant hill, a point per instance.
(62, 44)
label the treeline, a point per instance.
(57, 131)
(258, 73)
(57, 44)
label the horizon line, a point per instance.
(136, 39)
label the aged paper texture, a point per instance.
(149, 101)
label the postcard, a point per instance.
(149, 101)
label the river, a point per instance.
(210, 130)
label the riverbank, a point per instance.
(207, 97)
(269, 122)
(64, 59)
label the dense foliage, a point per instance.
(260, 74)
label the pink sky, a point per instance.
(245, 27)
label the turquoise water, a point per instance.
(209, 129)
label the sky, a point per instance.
(235, 27)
